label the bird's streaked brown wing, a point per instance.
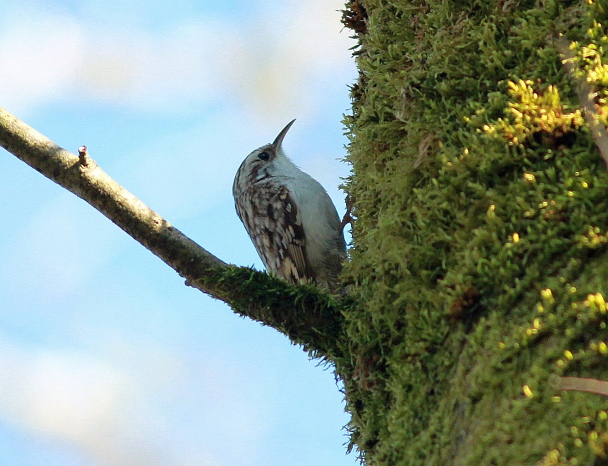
(275, 226)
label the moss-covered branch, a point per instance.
(307, 315)
(304, 314)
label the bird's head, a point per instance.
(266, 160)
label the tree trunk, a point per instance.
(479, 259)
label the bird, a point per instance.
(290, 218)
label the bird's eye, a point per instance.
(263, 156)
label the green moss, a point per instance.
(307, 315)
(481, 228)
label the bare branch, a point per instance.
(580, 384)
(304, 314)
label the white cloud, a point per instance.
(268, 63)
(175, 68)
(288, 54)
(40, 55)
(70, 397)
(128, 411)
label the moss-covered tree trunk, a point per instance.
(479, 265)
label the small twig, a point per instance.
(83, 156)
(347, 216)
(585, 96)
(579, 384)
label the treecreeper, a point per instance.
(289, 217)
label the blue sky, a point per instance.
(106, 358)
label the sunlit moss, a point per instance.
(533, 112)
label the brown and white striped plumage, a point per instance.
(289, 217)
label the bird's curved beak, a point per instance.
(279, 140)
